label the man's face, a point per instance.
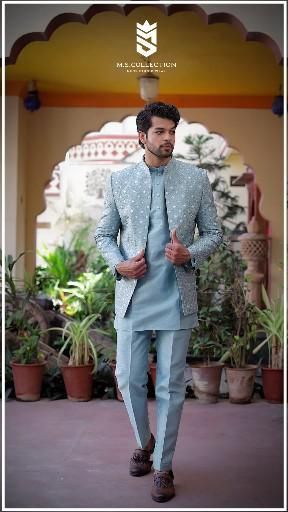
(160, 138)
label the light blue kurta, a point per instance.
(156, 303)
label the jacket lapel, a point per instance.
(143, 196)
(170, 185)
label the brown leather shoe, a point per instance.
(140, 463)
(163, 488)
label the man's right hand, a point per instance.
(134, 268)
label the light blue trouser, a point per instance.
(131, 373)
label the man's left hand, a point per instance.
(176, 252)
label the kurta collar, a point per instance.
(167, 167)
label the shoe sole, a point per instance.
(162, 499)
(140, 473)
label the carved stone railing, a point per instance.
(100, 147)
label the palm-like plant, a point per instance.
(271, 320)
(76, 335)
(91, 292)
(205, 154)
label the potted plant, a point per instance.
(83, 359)
(271, 321)
(24, 320)
(216, 318)
(108, 347)
(240, 374)
(28, 364)
(206, 374)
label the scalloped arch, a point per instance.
(125, 10)
(258, 192)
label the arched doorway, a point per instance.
(75, 194)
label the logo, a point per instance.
(146, 39)
(146, 45)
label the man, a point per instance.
(156, 205)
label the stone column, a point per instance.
(254, 250)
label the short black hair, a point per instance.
(158, 109)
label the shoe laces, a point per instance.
(163, 480)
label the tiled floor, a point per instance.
(63, 454)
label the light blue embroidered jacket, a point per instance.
(189, 202)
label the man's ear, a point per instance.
(142, 137)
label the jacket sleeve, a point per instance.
(209, 227)
(107, 230)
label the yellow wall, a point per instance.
(11, 171)
(23, 187)
(15, 182)
(256, 134)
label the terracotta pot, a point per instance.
(117, 390)
(272, 379)
(241, 383)
(78, 382)
(28, 380)
(206, 381)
